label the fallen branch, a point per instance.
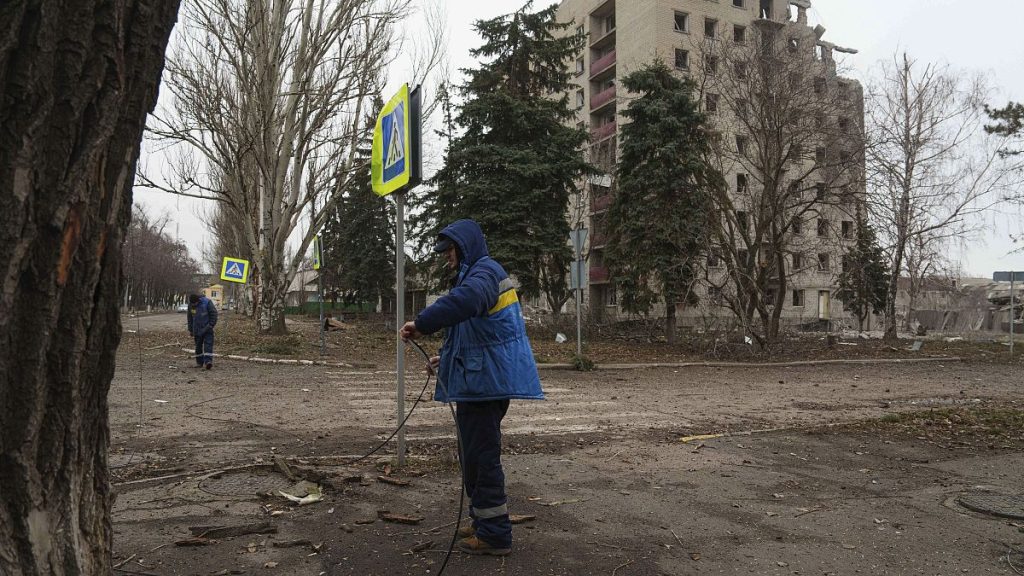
(627, 563)
(230, 531)
(125, 561)
(398, 518)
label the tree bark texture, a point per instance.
(77, 79)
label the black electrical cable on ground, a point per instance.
(458, 443)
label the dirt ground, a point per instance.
(832, 469)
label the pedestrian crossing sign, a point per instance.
(394, 163)
(317, 252)
(234, 270)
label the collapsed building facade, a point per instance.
(723, 45)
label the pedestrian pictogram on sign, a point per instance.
(234, 270)
(396, 148)
(395, 159)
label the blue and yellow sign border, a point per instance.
(396, 110)
(224, 270)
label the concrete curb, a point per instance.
(638, 366)
(857, 361)
(285, 361)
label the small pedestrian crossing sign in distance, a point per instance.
(234, 270)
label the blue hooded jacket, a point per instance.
(202, 317)
(486, 354)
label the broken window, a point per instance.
(682, 59)
(819, 155)
(822, 227)
(579, 98)
(824, 261)
(711, 64)
(710, 27)
(793, 45)
(741, 144)
(766, 9)
(609, 23)
(737, 3)
(798, 261)
(682, 22)
(741, 70)
(844, 264)
(819, 191)
(741, 183)
(819, 85)
(798, 297)
(741, 220)
(847, 229)
(711, 103)
(739, 34)
(579, 66)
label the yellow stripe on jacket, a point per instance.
(506, 299)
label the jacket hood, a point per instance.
(469, 238)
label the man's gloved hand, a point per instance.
(435, 361)
(409, 332)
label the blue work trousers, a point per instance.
(204, 348)
(484, 480)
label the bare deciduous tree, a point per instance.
(269, 97)
(158, 268)
(790, 146)
(931, 168)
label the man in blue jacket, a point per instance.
(202, 317)
(485, 361)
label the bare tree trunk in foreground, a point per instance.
(76, 82)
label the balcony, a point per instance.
(605, 40)
(602, 132)
(601, 98)
(603, 63)
(598, 275)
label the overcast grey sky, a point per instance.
(980, 35)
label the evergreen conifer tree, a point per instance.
(518, 158)
(865, 277)
(359, 241)
(656, 222)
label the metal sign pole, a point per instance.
(400, 315)
(579, 298)
(320, 290)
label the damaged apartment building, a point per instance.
(712, 41)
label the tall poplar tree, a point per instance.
(656, 222)
(519, 158)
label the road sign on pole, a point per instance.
(318, 252)
(234, 270)
(396, 166)
(1012, 277)
(578, 282)
(396, 161)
